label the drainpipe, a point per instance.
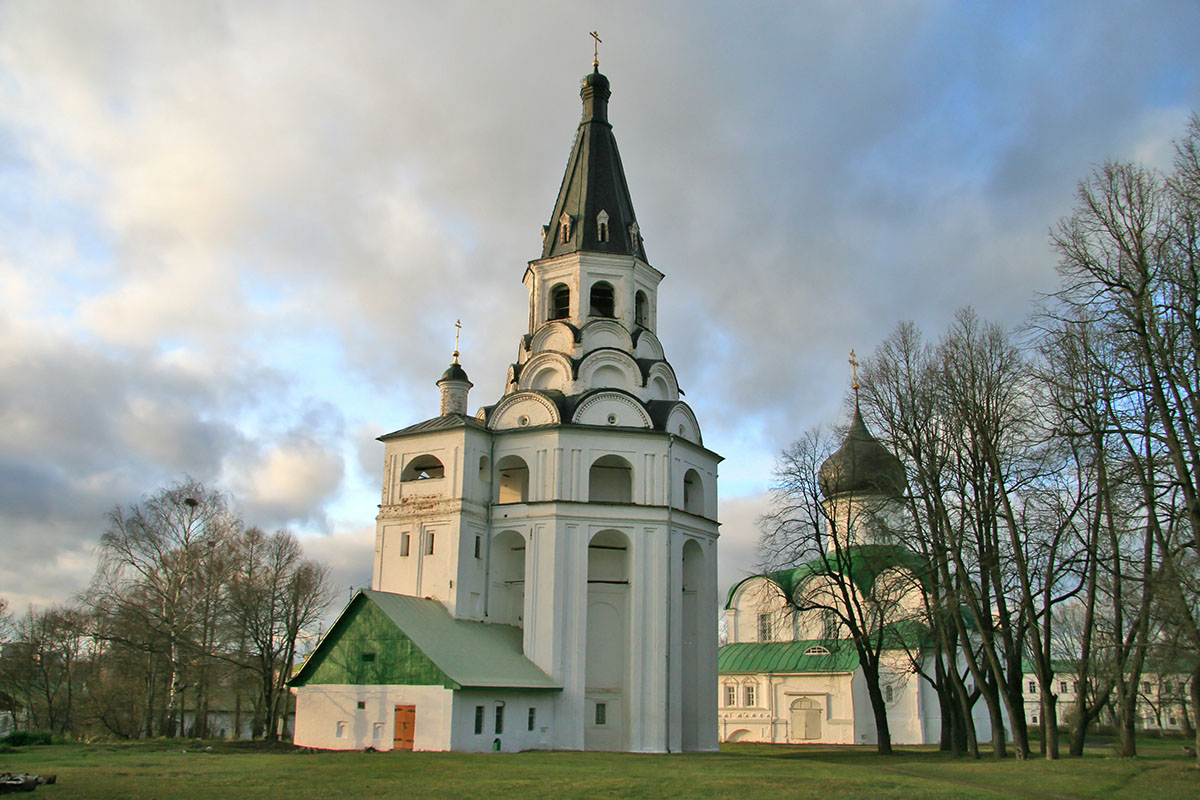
(670, 587)
(487, 534)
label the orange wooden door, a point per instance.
(406, 723)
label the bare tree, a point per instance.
(1130, 262)
(274, 594)
(154, 557)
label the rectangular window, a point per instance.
(532, 718)
(499, 717)
(1075, 686)
(601, 713)
(1033, 719)
(730, 696)
(429, 543)
(764, 627)
(889, 693)
(479, 719)
(1062, 686)
(478, 546)
(404, 544)
(1146, 687)
(362, 704)
(1032, 687)
(750, 695)
(368, 656)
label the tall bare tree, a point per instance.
(154, 557)
(274, 595)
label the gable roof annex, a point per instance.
(454, 652)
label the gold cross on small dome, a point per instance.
(596, 49)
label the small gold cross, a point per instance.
(457, 330)
(854, 364)
(596, 49)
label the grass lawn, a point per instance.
(161, 769)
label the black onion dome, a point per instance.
(454, 372)
(861, 465)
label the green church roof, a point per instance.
(864, 563)
(385, 638)
(788, 657)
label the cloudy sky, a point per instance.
(234, 237)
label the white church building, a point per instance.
(789, 672)
(545, 569)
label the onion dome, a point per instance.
(861, 465)
(454, 372)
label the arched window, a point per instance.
(602, 302)
(817, 650)
(602, 226)
(640, 315)
(564, 228)
(560, 302)
(514, 480)
(610, 480)
(422, 468)
(693, 493)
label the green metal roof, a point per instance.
(416, 641)
(863, 562)
(787, 657)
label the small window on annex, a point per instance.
(499, 717)
(602, 300)
(423, 468)
(560, 302)
(532, 719)
(641, 315)
(479, 714)
(730, 696)
(751, 691)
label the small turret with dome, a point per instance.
(454, 382)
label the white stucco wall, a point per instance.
(323, 710)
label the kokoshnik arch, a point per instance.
(545, 569)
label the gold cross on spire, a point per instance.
(854, 365)
(596, 49)
(457, 330)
